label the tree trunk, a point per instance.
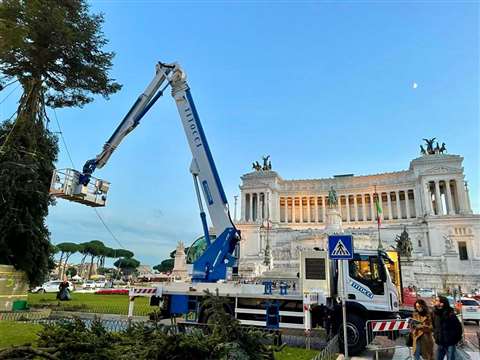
(60, 266)
(64, 269)
(91, 266)
(82, 270)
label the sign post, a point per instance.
(340, 247)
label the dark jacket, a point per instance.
(447, 329)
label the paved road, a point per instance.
(471, 332)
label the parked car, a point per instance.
(469, 308)
(51, 287)
(100, 283)
(89, 284)
(425, 293)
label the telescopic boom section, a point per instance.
(131, 120)
(212, 265)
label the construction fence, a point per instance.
(390, 335)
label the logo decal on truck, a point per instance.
(362, 289)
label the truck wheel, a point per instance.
(356, 336)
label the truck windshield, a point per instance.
(368, 270)
(391, 268)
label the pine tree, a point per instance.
(54, 50)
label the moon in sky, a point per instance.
(414, 85)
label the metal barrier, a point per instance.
(390, 334)
(24, 315)
(329, 352)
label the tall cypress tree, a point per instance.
(54, 49)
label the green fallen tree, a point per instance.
(222, 339)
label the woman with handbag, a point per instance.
(422, 331)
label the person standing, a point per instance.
(447, 329)
(422, 331)
(63, 293)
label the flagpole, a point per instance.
(380, 246)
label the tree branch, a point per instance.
(21, 351)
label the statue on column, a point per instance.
(404, 244)
(438, 149)
(442, 148)
(332, 199)
(266, 165)
(429, 142)
(256, 166)
(268, 256)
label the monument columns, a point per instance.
(438, 200)
(462, 196)
(467, 196)
(372, 207)
(293, 210)
(407, 204)
(244, 207)
(399, 209)
(355, 206)
(364, 207)
(417, 202)
(324, 212)
(251, 207)
(347, 204)
(451, 205)
(340, 204)
(309, 212)
(428, 199)
(389, 204)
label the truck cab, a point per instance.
(370, 291)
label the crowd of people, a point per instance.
(440, 325)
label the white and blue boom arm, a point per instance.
(218, 256)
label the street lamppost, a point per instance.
(235, 208)
(264, 238)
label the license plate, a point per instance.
(472, 309)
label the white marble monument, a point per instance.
(179, 271)
(430, 199)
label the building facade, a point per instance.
(430, 200)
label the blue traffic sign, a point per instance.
(340, 247)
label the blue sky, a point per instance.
(323, 87)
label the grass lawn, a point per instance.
(291, 353)
(16, 333)
(106, 304)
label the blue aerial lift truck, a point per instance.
(252, 304)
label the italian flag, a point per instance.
(379, 209)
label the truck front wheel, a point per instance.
(356, 336)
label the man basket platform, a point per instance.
(67, 184)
